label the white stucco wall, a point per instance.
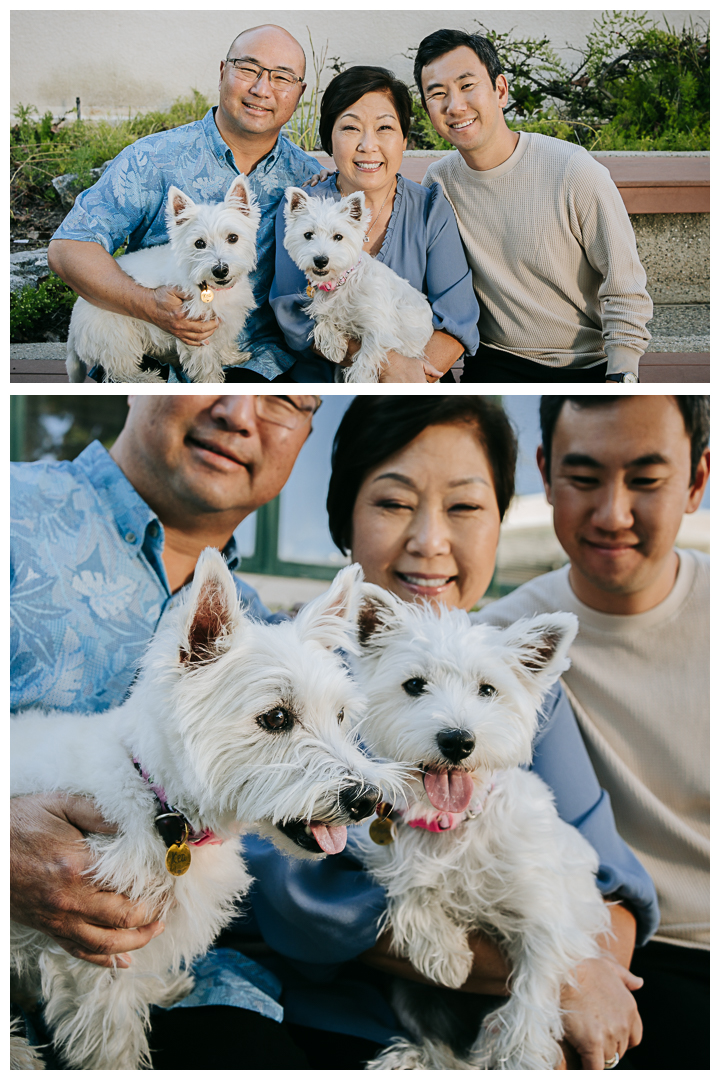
(120, 62)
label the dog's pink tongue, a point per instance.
(449, 789)
(331, 838)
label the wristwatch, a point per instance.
(623, 376)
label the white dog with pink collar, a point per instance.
(351, 294)
(478, 846)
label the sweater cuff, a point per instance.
(621, 359)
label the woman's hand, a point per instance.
(401, 368)
(601, 1016)
(49, 885)
(318, 178)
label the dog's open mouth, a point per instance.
(320, 273)
(315, 836)
(448, 789)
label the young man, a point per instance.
(620, 473)
(547, 237)
(101, 548)
(261, 82)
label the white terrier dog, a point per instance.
(209, 256)
(231, 724)
(353, 295)
(479, 845)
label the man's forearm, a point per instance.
(93, 273)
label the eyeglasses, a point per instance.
(288, 412)
(250, 73)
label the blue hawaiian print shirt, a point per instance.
(87, 583)
(128, 204)
(87, 590)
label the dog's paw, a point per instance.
(454, 969)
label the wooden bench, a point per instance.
(654, 368)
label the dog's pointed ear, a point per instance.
(539, 646)
(177, 205)
(330, 618)
(296, 201)
(354, 205)
(240, 195)
(213, 611)
(379, 611)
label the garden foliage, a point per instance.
(42, 313)
(42, 148)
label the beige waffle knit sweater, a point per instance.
(553, 255)
(639, 686)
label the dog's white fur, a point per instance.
(193, 719)
(374, 304)
(516, 871)
(118, 342)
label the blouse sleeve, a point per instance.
(561, 760)
(287, 294)
(449, 280)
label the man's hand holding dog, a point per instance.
(49, 887)
(168, 313)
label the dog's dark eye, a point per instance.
(414, 687)
(341, 716)
(232, 238)
(337, 236)
(276, 720)
(486, 690)
(308, 235)
(200, 244)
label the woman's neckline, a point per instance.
(397, 200)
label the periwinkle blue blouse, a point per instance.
(422, 244)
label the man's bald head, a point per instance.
(277, 34)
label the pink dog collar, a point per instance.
(168, 812)
(444, 821)
(329, 286)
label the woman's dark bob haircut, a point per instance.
(349, 86)
(377, 426)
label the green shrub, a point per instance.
(43, 313)
(635, 86)
(41, 148)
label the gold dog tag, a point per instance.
(178, 858)
(382, 832)
(310, 291)
(206, 296)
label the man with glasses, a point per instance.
(101, 548)
(261, 83)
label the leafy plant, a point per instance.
(302, 128)
(43, 313)
(42, 148)
(635, 85)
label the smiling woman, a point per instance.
(418, 491)
(364, 122)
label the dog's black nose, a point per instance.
(321, 261)
(456, 743)
(359, 802)
(220, 270)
